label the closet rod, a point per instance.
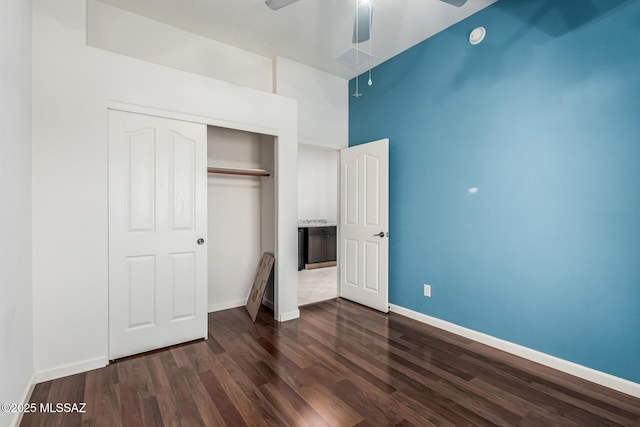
(235, 171)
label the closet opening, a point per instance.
(241, 213)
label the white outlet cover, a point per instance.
(427, 290)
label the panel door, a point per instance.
(157, 214)
(364, 224)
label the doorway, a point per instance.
(318, 184)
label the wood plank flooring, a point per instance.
(339, 365)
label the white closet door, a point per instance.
(157, 233)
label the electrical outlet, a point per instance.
(427, 290)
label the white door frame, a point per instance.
(285, 240)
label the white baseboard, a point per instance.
(26, 396)
(290, 315)
(598, 377)
(227, 305)
(71, 369)
(242, 302)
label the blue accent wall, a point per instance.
(543, 117)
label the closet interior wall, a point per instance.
(241, 218)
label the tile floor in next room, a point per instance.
(316, 285)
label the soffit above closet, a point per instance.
(312, 32)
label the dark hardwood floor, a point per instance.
(338, 365)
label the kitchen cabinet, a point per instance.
(321, 244)
(301, 249)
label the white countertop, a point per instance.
(315, 223)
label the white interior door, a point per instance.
(364, 224)
(157, 214)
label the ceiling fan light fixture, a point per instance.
(278, 4)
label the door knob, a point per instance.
(380, 234)
(200, 241)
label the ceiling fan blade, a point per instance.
(278, 4)
(456, 3)
(362, 24)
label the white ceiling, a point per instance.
(313, 32)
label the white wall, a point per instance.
(318, 172)
(123, 32)
(323, 102)
(268, 209)
(234, 215)
(73, 85)
(323, 128)
(16, 315)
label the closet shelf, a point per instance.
(238, 171)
